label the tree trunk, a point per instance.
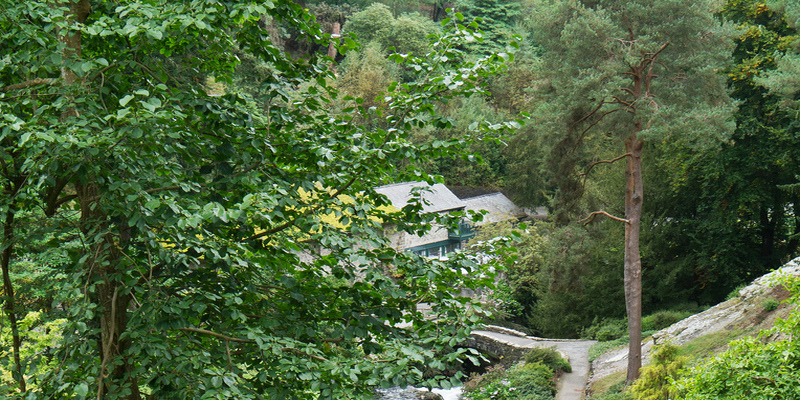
(633, 262)
(642, 76)
(105, 267)
(112, 299)
(8, 288)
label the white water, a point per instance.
(449, 394)
(398, 393)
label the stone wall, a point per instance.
(497, 351)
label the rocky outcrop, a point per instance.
(743, 312)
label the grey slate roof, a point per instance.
(500, 207)
(438, 199)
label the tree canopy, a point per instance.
(227, 243)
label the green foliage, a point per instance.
(549, 357)
(770, 304)
(782, 80)
(505, 303)
(197, 233)
(662, 319)
(615, 392)
(606, 329)
(522, 275)
(366, 73)
(372, 23)
(751, 368)
(558, 276)
(580, 266)
(485, 163)
(735, 292)
(655, 378)
(38, 337)
(529, 381)
(407, 34)
(498, 17)
(577, 127)
(723, 217)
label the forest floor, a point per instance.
(744, 315)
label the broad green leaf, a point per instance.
(124, 100)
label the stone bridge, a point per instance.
(499, 344)
(508, 346)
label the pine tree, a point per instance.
(631, 71)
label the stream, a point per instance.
(410, 393)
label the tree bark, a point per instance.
(642, 76)
(112, 299)
(8, 288)
(633, 262)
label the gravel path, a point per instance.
(571, 386)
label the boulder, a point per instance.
(428, 395)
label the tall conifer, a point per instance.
(633, 71)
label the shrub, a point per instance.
(662, 319)
(613, 396)
(654, 380)
(735, 292)
(770, 304)
(549, 357)
(531, 381)
(506, 306)
(606, 330)
(370, 24)
(749, 370)
(476, 381)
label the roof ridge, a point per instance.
(483, 195)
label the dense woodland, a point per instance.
(165, 167)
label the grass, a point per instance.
(599, 348)
(710, 344)
(601, 386)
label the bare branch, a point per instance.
(597, 121)
(30, 83)
(216, 335)
(99, 74)
(594, 164)
(52, 201)
(589, 115)
(237, 340)
(618, 100)
(654, 55)
(592, 216)
(161, 189)
(301, 353)
(7, 98)
(150, 72)
(279, 227)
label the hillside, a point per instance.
(710, 331)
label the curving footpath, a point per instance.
(571, 386)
